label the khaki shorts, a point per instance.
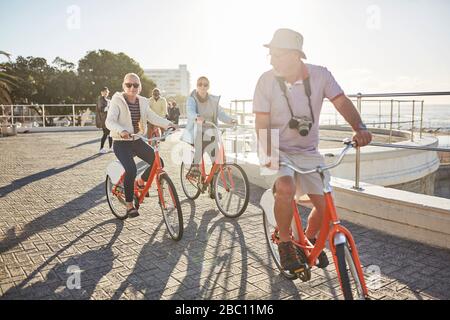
(306, 184)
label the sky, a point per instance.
(369, 46)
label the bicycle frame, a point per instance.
(219, 161)
(331, 230)
(156, 171)
(333, 234)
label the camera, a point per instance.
(302, 124)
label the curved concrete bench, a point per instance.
(405, 214)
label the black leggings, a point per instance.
(125, 151)
(105, 135)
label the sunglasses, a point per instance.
(206, 85)
(129, 85)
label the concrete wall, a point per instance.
(425, 185)
(408, 215)
(442, 182)
(413, 216)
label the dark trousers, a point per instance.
(125, 151)
(105, 135)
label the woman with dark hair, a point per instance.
(201, 106)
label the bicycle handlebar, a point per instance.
(348, 145)
(233, 126)
(166, 133)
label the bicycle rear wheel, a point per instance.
(170, 207)
(231, 190)
(270, 231)
(348, 275)
(189, 184)
(116, 200)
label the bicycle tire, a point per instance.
(119, 212)
(171, 200)
(349, 279)
(191, 191)
(219, 190)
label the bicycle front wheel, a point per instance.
(231, 190)
(189, 184)
(348, 275)
(170, 207)
(116, 200)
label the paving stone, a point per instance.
(49, 225)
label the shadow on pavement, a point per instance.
(92, 266)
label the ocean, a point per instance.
(436, 117)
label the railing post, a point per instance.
(379, 114)
(73, 115)
(398, 127)
(235, 136)
(390, 122)
(358, 151)
(412, 121)
(12, 114)
(43, 115)
(243, 113)
(421, 119)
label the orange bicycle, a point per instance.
(227, 182)
(167, 194)
(342, 245)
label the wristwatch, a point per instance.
(362, 127)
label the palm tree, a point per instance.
(7, 81)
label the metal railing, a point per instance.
(359, 99)
(40, 115)
(238, 108)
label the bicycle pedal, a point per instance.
(299, 270)
(303, 273)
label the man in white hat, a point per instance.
(289, 99)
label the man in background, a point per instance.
(159, 105)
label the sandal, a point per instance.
(132, 212)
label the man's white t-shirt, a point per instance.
(269, 98)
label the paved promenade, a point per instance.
(54, 220)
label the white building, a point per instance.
(172, 82)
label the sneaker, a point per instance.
(103, 151)
(194, 172)
(323, 259)
(289, 259)
(132, 212)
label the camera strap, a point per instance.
(307, 86)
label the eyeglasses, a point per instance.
(202, 84)
(129, 85)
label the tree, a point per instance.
(7, 81)
(34, 75)
(104, 68)
(64, 83)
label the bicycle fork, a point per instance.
(341, 235)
